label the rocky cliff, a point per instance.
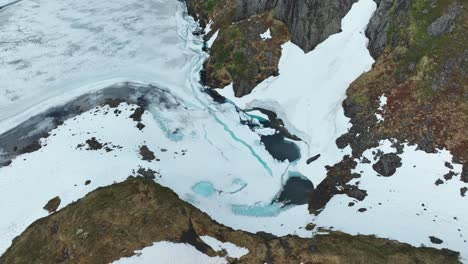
(310, 22)
(421, 65)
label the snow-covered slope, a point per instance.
(407, 206)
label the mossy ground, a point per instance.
(241, 57)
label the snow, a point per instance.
(208, 27)
(266, 35)
(215, 158)
(52, 48)
(382, 102)
(232, 250)
(407, 206)
(380, 110)
(316, 85)
(213, 38)
(167, 252)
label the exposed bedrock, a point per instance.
(388, 11)
(248, 8)
(310, 22)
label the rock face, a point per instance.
(312, 21)
(114, 221)
(248, 8)
(309, 21)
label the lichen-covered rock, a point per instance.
(445, 23)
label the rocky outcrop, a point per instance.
(312, 21)
(114, 221)
(388, 11)
(445, 23)
(387, 164)
(240, 56)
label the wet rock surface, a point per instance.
(114, 221)
(312, 159)
(388, 12)
(463, 191)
